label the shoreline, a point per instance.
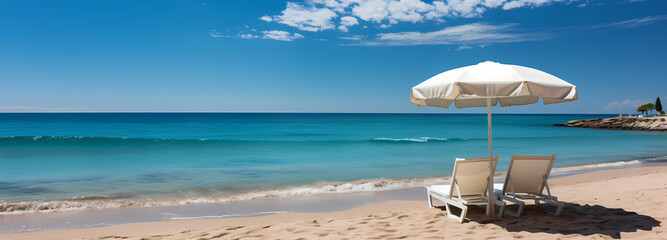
(87, 203)
(313, 203)
(601, 198)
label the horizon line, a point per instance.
(94, 112)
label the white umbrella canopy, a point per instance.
(487, 84)
(508, 84)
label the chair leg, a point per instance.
(429, 199)
(448, 210)
(520, 205)
(464, 212)
(516, 213)
(501, 204)
(460, 217)
(520, 210)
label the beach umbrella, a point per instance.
(488, 84)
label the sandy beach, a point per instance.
(611, 204)
(333, 119)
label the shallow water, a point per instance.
(108, 160)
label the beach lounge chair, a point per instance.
(526, 180)
(468, 186)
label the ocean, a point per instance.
(73, 161)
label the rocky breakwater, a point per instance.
(621, 123)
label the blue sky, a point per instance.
(318, 55)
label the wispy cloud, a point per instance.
(353, 38)
(281, 35)
(631, 23)
(627, 103)
(474, 33)
(214, 33)
(274, 35)
(319, 15)
(354, 16)
(19, 108)
(463, 47)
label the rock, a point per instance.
(620, 123)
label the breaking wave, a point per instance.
(609, 165)
(120, 201)
(70, 139)
(420, 139)
(101, 201)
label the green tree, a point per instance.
(641, 109)
(646, 107)
(650, 106)
(658, 105)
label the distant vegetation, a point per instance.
(645, 108)
(650, 106)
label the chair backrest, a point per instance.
(471, 176)
(528, 173)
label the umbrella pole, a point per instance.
(490, 207)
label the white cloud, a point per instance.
(214, 33)
(532, 3)
(632, 23)
(463, 47)
(281, 35)
(348, 21)
(408, 10)
(306, 18)
(275, 35)
(371, 10)
(317, 15)
(336, 5)
(353, 38)
(393, 11)
(247, 36)
(627, 103)
(493, 3)
(475, 33)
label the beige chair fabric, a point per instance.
(526, 180)
(468, 186)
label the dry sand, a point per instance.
(625, 203)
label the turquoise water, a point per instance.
(92, 160)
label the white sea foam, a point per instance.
(7, 208)
(596, 166)
(609, 165)
(420, 139)
(97, 202)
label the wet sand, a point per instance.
(621, 203)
